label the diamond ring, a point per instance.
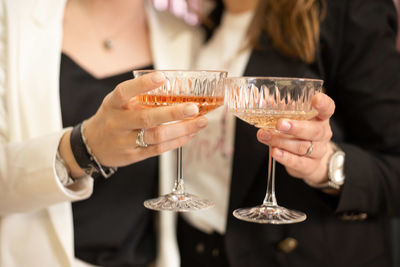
(140, 139)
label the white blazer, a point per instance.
(35, 212)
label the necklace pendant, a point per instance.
(108, 44)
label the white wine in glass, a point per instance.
(267, 119)
(204, 88)
(262, 101)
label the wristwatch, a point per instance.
(62, 171)
(336, 175)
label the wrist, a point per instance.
(66, 154)
(335, 177)
(320, 176)
(84, 156)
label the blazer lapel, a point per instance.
(39, 64)
(43, 49)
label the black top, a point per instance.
(112, 228)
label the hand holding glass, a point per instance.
(262, 101)
(204, 88)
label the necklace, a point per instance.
(108, 44)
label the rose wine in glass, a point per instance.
(205, 103)
(262, 101)
(204, 88)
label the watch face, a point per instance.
(336, 168)
(338, 177)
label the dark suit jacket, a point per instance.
(361, 69)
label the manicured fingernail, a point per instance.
(190, 110)
(265, 136)
(285, 126)
(278, 153)
(202, 122)
(157, 77)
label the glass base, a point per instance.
(178, 202)
(269, 214)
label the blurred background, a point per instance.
(188, 10)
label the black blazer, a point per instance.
(361, 69)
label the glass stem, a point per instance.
(270, 199)
(179, 187)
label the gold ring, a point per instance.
(309, 150)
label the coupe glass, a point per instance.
(262, 101)
(204, 88)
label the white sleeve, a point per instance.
(226, 49)
(28, 179)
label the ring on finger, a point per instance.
(309, 150)
(140, 139)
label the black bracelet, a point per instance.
(84, 156)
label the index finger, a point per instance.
(126, 90)
(324, 105)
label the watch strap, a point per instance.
(84, 156)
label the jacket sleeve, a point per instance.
(367, 96)
(28, 180)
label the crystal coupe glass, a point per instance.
(204, 88)
(262, 101)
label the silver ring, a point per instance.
(140, 139)
(309, 150)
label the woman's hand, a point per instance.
(112, 132)
(290, 146)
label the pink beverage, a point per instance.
(205, 103)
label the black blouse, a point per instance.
(111, 228)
